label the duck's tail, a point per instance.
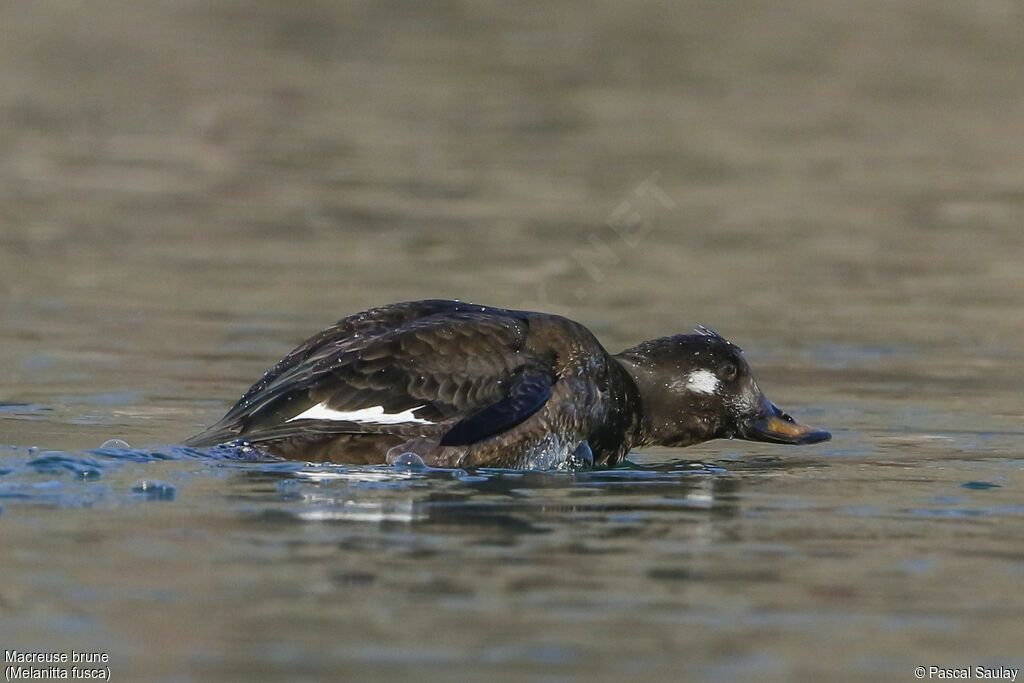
(214, 435)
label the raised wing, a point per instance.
(445, 366)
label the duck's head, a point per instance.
(696, 387)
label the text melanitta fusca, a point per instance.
(463, 385)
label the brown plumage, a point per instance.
(467, 385)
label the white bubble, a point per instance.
(407, 461)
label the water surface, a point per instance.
(188, 190)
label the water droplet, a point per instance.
(581, 458)
(407, 461)
(115, 443)
(155, 490)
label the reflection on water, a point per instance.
(741, 562)
(324, 491)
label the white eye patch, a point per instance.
(373, 415)
(701, 382)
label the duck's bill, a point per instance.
(778, 427)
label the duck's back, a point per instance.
(455, 382)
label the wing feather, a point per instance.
(445, 361)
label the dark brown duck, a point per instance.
(466, 385)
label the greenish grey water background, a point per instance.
(188, 189)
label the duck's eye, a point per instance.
(729, 371)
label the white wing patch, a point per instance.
(374, 415)
(702, 382)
